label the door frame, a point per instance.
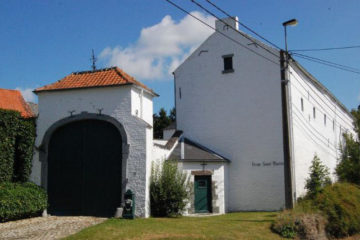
(209, 192)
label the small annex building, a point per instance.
(94, 141)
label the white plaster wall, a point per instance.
(238, 115)
(142, 105)
(311, 135)
(217, 178)
(115, 102)
(149, 156)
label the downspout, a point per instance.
(287, 136)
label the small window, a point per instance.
(314, 112)
(302, 104)
(180, 93)
(325, 119)
(333, 124)
(228, 63)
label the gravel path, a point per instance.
(51, 227)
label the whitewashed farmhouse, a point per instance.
(247, 129)
(248, 137)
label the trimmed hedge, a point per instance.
(21, 200)
(17, 137)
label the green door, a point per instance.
(202, 194)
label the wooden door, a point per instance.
(203, 194)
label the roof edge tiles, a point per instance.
(106, 77)
(12, 100)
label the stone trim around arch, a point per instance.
(43, 148)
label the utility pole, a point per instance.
(93, 59)
(287, 133)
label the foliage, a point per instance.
(319, 177)
(17, 136)
(162, 120)
(21, 200)
(285, 225)
(348, 168)
(169, 190)
(340, 204)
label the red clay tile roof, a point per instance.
(13, 100)
(99, 78)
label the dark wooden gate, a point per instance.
(84, 169)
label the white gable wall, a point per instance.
(237, 115)
(311, 135)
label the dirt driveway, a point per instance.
(51, 227)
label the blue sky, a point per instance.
(43, 41)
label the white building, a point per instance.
(94, 141)
(264, 132)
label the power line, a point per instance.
(235, 41)
(226, 24)
(324, 49)
(242, 24)
(328, 63)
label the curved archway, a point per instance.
(84, 165)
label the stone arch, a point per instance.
(43, 148)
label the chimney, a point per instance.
(231, 21)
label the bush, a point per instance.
(348, 168)
(340, 204)
(21, 200)
(319, 177)
(169, 190)
(17, 136)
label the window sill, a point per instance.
(228, 71)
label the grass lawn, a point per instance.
(245, 225)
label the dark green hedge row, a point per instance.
(17, 136)
(21, 200)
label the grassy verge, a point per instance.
(245, 225)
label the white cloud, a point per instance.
(161, 47)
(28, 94)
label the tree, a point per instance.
(169, 190)
(162, 120)
(319, 177)
(348, 168)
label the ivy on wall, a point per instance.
(17, 136)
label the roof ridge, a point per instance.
(93, 71)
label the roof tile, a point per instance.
(99, 78)
(13, 100)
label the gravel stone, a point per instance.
(51, 227)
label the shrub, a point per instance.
(169, 190)
(340, 204)
(17, 136)
(319, 177)
(348, 168)
(21, 200)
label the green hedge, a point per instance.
(21, 200)
(17, 137)
(340, 204)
